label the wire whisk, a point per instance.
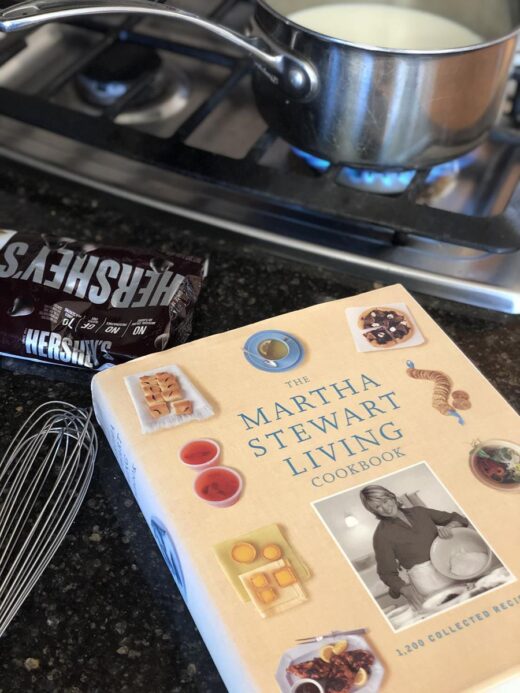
(44, 476)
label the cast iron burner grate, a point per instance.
(267, 190)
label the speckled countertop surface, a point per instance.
(106, 615)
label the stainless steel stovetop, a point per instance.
(164, 115)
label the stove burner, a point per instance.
(382, 182)
(112, 73)
(389, 182)
(160, 92)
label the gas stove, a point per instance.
(164, 115)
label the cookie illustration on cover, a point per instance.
(385, 327)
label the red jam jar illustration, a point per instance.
(200, 453)
(219, 486)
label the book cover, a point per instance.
(335, 492)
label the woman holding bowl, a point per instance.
(403, 539)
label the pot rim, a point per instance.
(393, 51)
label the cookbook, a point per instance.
(335, 492)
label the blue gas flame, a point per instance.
(381, 181)
(314, 162)
(387, 181)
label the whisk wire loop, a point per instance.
(44, 476)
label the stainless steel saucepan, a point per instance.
(346, 102)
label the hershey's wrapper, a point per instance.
(92, 306)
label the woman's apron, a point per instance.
(427, 580)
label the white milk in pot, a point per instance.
(386, 26)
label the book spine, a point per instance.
(216, 635)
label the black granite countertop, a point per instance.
(106, 615)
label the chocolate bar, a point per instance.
(92, 306)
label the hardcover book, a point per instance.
(335, 492)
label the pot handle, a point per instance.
(295, 76)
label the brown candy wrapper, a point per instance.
(92, 306)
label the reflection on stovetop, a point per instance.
(164, 113)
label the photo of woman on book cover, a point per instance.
(404, 537)
(411, 545)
